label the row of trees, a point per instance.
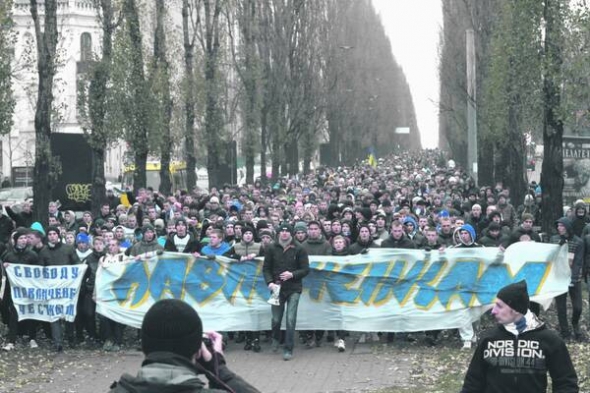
(282, 75)
(532, 76)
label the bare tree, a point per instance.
(552, 170)
(209, 39)
(140, 108)
(189, 30)
(46, 40)
(98, 134)
(160, 84)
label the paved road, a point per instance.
(363, 367)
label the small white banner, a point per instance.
(45, 293)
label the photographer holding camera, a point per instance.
(176, 351)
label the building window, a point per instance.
(85, 47)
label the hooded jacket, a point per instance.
(579, 221)
(575, 247)
(166, 372)
(506, 361)
(143, 246)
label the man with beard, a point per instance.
(476, 219)
(363, 242)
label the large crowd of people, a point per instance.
(414, 200)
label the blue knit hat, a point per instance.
(82, 238)
(37, 227)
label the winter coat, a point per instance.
(518, 232)
(242, 249)
(192, 245)
(58, 254)
(90, 277)
(292, 258)
(317, 246)
(489, 241)
(507, 362)
(142, 247)
(24, 256)
(575, 247)
(21, 219)
(403, 242)
(359, 246)
(166, 372)
(6, 228)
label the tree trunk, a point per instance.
(46, 49)
(552, 168)
(162, 79)
(263, 142)
(140, 140)
(97, 103)
(486, 158)
(213, 120)
(516, 170)
(190, 102)
(98, 191)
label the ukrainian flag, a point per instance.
(371, 158)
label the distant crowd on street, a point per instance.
(412, 200)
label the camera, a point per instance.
(208, 343)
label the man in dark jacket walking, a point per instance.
(565, 235)
(176, 352)
(516, 355)
(285, 265)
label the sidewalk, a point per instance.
(363, 367)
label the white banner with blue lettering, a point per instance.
(383, 290)
(45, 293)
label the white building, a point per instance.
(79, 39)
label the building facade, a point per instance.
(78, 44)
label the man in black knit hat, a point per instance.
(516, 355)
(285, 265)
(176, 351)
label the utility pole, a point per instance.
(471, 108)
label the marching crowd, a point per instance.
(413, 200)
